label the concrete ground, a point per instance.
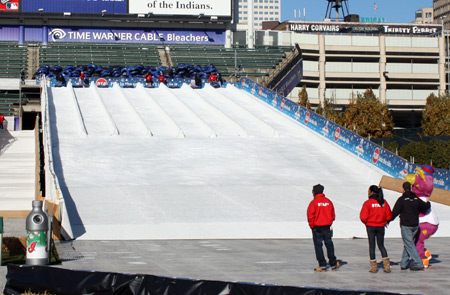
(281, 262)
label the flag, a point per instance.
(375, 6)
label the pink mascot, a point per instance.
(422, 186)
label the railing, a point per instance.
(283, 68)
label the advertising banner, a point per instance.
(9, 5)
(102, 35)
(181, 7)
(109, 82)
(380, 29)
(75, 6)
(363, 148)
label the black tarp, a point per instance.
(55, 280)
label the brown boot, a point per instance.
(320, 269)
(373, 266)
(386, 265)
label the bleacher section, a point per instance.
(14, 58)
(64, 54)
(252, 62)
(7, 101)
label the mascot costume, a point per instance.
(422, 185)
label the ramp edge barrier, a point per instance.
(359, 146)
(55, 280)
(52, 188)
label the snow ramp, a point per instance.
(163, 163)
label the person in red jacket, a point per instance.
(2, 118)
(148, 78)
(162, 79)
(375, 213)
(212, 78)
(84, 79)
(320, 218)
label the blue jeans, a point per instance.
(322, 234)
(409, 250)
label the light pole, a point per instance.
(446, 54)
(448, 66)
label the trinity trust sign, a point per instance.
(344, 27)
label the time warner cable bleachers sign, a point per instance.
(355, 144)
(116, 35)
(156, 7)
(136, 35)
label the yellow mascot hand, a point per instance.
(410, 178)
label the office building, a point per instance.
(402, 63)
(263, 11)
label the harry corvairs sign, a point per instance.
(181, 7)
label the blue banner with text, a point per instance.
(361, 147)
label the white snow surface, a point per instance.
(162, 163)
(17, 170)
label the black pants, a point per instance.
(376, 232)
(321, 235)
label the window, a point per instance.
(245, 18)
(418, 14)
(429, 15)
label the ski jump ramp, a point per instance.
(165, 163)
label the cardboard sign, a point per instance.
(438, 195)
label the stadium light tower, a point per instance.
(339, 6)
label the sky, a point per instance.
(393, 11)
